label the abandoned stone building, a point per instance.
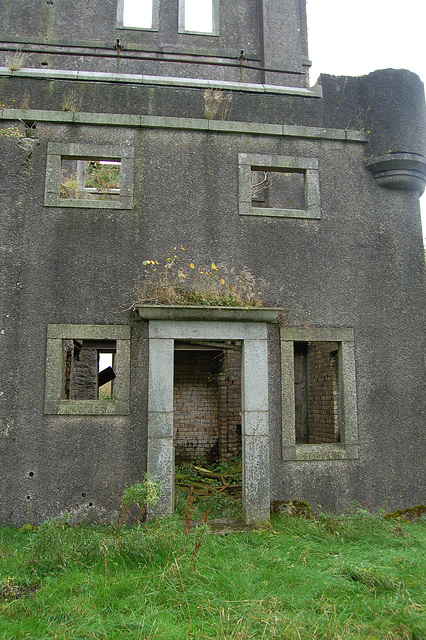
(126, 138)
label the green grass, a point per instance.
(333, 578)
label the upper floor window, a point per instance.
(89, 175)
(137, 14)
(199, 16)
(279, 186)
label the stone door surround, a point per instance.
(254, 405)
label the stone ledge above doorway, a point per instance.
(213, 314)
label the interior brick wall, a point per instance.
(195, 405)
(229, 383)
(207, 404)
(323, 392)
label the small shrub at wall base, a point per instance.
(178, 280)
(137, 498)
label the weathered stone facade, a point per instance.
(192, 121)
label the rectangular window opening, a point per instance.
(278, 188)
(199, 16)
(137, 14)
(94, 179)
(316, 392)
(88, 369)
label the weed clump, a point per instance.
(137, 498)
(177, 280)
(17, 60)
(71, 102)
(217, 104)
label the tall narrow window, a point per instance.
(199, 16)
(316, 392)
(318, 387)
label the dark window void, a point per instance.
(90, 179)
(316, 392)
(88, 369)
(278, 189)
(137, 14)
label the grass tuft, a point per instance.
(178, 280)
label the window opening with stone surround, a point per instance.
(138, 14)
(199, 17)
(318, 387)
(278, 186)
(87, 369)
(89, 175)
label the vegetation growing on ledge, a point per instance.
(178, 280)
(341, 577)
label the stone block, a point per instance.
(256, 488)
(160, 424)
(255, 423)
(160, 464)
(160, 394)
(208, 330)
(255, 375)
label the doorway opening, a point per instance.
(207, 428)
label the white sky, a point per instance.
(198, 14)
(358, 36)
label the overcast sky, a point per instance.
(356, 37)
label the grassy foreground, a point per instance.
(335, 577)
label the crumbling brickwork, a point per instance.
(229, 387)
(207, 404)
(196, 428)
(323, 393)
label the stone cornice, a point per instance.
(400, 170)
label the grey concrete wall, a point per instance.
(272, 34)
(361, 265)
